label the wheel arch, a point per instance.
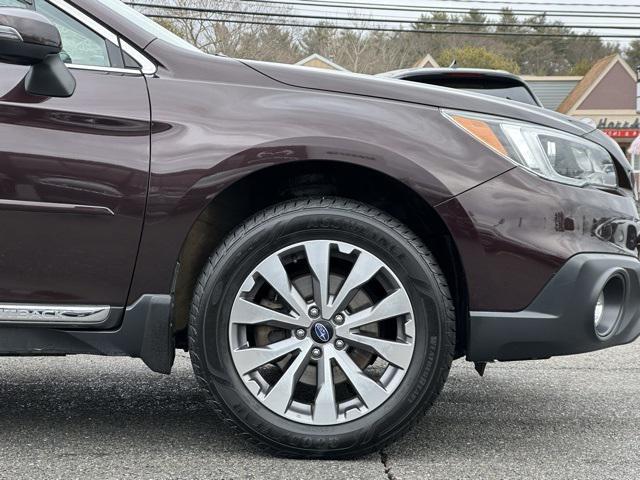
(286, 181)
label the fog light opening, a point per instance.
(599, 310)
(608, 307)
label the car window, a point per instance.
(81, 45)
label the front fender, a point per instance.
(212, 134)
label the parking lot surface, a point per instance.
(91, 417)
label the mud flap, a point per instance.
(157, 349)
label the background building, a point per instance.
(552, 90)
(318, 61)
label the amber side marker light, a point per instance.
(482, 131)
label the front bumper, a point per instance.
(560, 320)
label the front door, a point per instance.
(73, 174)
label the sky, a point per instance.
(613, 7)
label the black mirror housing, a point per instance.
(29, 38)
(26, 37)
(50, 78)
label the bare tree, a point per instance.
(215, 31)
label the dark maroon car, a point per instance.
(323, 244)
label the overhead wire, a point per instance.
(376, 19)
(440, 9)
(396, 30)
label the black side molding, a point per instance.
(146, 332)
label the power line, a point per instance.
(358, 6)
(555, 3)
(397, 30)
(376, 20)
(439, 9)
(506, 3)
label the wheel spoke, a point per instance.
(369, 391)
(249, 358)
(249, 313)
(363, 270)
(391, 306)
(394, 352)
(279, 397)
(324, 409)
(318, 252)
(274, 273)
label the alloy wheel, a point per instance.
(322, 332)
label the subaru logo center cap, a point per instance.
(321, 331)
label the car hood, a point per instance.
(399, 90)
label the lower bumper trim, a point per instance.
(560, 321)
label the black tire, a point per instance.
(334, 219)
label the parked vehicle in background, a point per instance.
(323, 244)
(496, 83)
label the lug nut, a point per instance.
(301, 333)
(314, 312)
(339, 344)
(338, 319)
(316, 353)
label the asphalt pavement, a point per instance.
(106, 418)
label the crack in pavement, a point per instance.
(384, 458)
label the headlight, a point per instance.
(549, 153)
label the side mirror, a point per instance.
(28, 38)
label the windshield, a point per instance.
(148, 24)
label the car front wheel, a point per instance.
(322, 327)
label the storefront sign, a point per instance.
(620, 129)
(621, 133)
